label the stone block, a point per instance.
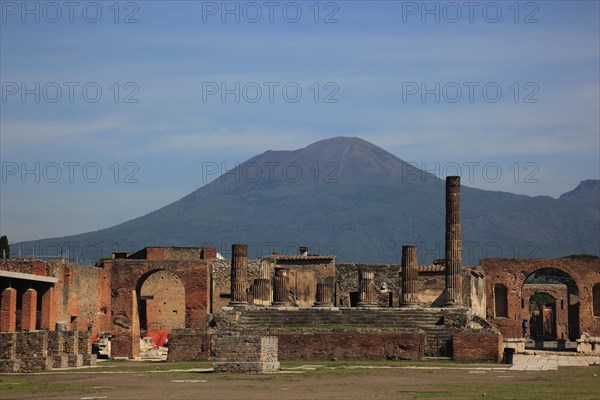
(75, 360)
(55, 343)
(59, 361)
(32, 344)
(246, 354)
(70, 342)
(84, 343)
(29, 364)
(10, 366)
(90, 360)
(8, 346)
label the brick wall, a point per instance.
(165, 302)
(189, 344)
(129, 275)
(476, 346)
(354, 345)
(74, 297)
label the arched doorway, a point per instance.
(161, 301)
(542, 320)
(550, 302)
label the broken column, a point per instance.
(366, 285)
(453, 257)
(262, 286)
(8, 312)
(410, 273)
(281, 294)
(262, 292)
(324, 295)
(239, 274)
(28, 310)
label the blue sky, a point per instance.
(156, 121)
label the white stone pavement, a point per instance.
(546, 360)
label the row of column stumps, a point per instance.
(366, 281)
(29, 310)
(262, 285)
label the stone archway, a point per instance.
(550, 301)
(161, 301)
(513, 273)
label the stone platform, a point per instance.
(245, 354)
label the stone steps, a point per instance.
(429, 320)
(398, 318)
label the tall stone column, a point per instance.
(28, 310)
(410, 273)
(453, 257)
(281, 294)
(324, 295)
(239, 274)
(366, 284)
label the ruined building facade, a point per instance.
(317, 307)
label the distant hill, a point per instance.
(348, 197)
(587, 191)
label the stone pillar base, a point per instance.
(411, 305)
(280, 304)
(367, 305)
(238, 304)
(35, 364)
(588, 344)
(515, 343)
(60, 361)
(10, 366)
(245, 354)
(75, 360)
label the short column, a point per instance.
(28, 310)
(324, 295)
(281, 295)
(48, 319)
(8, 312)
(262, 291)
(366, 284)
(239, 274)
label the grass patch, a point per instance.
(577, 383)
(11, 385)
(136, 366)
(387, 363)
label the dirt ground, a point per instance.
(328, 381)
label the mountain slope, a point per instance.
(348, 197)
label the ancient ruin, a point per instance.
(298, 306)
